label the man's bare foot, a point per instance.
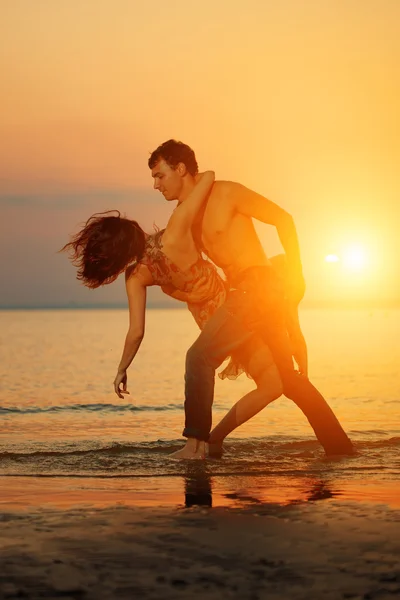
(215, 449)
(193, 450)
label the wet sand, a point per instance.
(71, 542)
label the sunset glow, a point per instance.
(220, 417)
(355, 258)
(313, 129)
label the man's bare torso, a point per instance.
(227, 236)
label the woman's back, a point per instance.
(199, 285)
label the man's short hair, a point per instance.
(174, 152)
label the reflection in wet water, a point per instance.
(199, 485)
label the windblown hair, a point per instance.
(173, 153)
(105, 246)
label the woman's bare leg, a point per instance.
(269, 388)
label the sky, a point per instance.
(297, 100)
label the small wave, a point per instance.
(367, 432)
(240, 447)
(113, 449)
(5, 410)
(385, 443)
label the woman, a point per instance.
(109, 245)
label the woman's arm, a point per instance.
(185, 213)
(136, 292)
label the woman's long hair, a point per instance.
(105, 246)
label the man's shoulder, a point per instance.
(225, 184)
(225, 189)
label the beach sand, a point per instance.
(66, 541)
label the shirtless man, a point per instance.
(225, 232)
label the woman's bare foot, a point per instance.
(215, 449)
(192, 450)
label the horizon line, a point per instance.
(182, 306)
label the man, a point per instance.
(225, 232)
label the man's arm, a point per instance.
(254, 205)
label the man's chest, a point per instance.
(211, 233)
(215, 222)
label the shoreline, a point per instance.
(177, 305)
(104, 550)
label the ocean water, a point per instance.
(61, 418)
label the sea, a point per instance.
(63, 428)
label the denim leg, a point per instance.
(220, 337)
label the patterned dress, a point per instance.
(199, 286)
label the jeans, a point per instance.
(257, 305)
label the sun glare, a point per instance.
(352, 258)
(355, 258)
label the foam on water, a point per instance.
(264, 456)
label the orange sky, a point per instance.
(298, 100)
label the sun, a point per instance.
(352, 258)
(355, 258)
(354, 267)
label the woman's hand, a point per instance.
(136, 291)
(121, 379)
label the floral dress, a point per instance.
(200, 286)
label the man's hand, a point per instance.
(121, 379)
(301, 363)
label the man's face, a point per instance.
(167, 180)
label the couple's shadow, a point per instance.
(199, 489)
